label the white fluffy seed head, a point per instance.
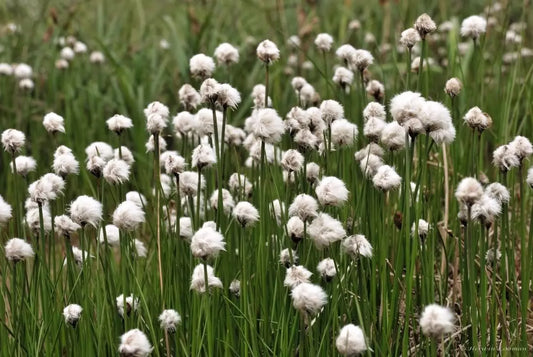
(361, 59)
(201, 66)
(189, 97)
(134, 343)
(245, 213)
(13, 140)
(240, 184)
(198, 279)
(112, 233)
(72, 314)
(209, 90)
(473, 27)
(97, 57)
(285, 257)
(351, 341)
(66, 164)
(326, 269)
(453, 87)
(522, 147)
(323, 42)
(357, 245)
(189, 183)
(227, 201)
(226, 54)
(373, 129)
(331, 191)
(409, 38)
(304, 206)
(127, 304)
(292, 160)
(65, 226)
(499, 192)
(174, 164)
(22, 71)
(5, 211)
(529, 178)
(268, 125)
(308, 298)
(386, 178)
(343, 133)
(118, 123)
(17, 249)
(207, 243)
(116, 171)
(203, 156)
(405, 106)
(86, 210)
(345, 53)
(169, 319)
(423, 228)
(424, 25)
(374, 110)
(54, 123)
(376, 89)
(25, 165)
(469, 191)
(295, 229)
(128, 216)
(325, 230)
(437, 321)
(505, 158)
(296, 275)
(156, 114)
(343, 77)
(331, 110)
(268, 52)
(475, 118)
(228, 97)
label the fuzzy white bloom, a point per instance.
(198, 279)
(13, 140)
(308, 298)
(188, 97)
(116, 171)
(304, 206)
(331, 110)
(499, 192)
(374, 110)
(227, 201)
(268, 126)
(201, 66)
(245, 213)
(86, 210)
(44, 189)
(95, 165)
(505, 158)
(169, 319)
(54, 123)
(529, 178)
(32, 219)
(226, 54)
(294, 41)
(357, 245)
(268, 52)
(361, 59)
(209, 90)
(126, 155)
(80, 47)
(296, 275)
(492, 255)
(203, 156)
(258, 95)
(473, 26)
(112, 233)
(285, 257)
(292, 160)
(80, 256)
(174, 164)
(150, 144)
(313, 172)
(423, 228)
(308, 95)
(424, 25)
(65, 226)
(437, 321)
(183, 123)
(444, 135)
(132, 304)
(66, 164)
(370, 149)
(435, 116)
(22, 71)
(351, 341)
(469, 191)
(376, 89)
(6, 69)
(128, 216)
(118, 123)
(97, 57)
(27, 84)
(343, 133)
(295, 229)
(240, 183)
(345, 53)
(72, 314)
(189, 183)
(99, 149)
(325, 230)
(5, 211)
(331, 191)
(204, 122)
(17, 249)
(405, 106)
(323, 42)
(343, 77)
(277, 210)
(522, 147)
(235, 288)
(228, 97)
(386, 178)
(67, 53)
(156, 117)
(409, 38)
(475, 118)
(134, 343)
(137, 198)
(326, 269)
(140, 249)
(486, 209)
(453, 87)
(25, 165)
(373, 128)
(207, 243)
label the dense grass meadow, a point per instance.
(346, 177)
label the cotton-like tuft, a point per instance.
(343, 133)
(128, 216)
(101, 149)
(65, 226)
(323, 42)
(116, 171)
(529, 178)
(239, 183)
(295, 229)
(486, 209)
(296, 275)
(203, 156)
(345, 53)
(201, 66)
(189, 97)
(469, 191)
(308, 298)
(499, 192)
(127, 304)
(22, 71)
(351, 341)
(292, 160)
(54, 123)
(375, 89)
(97, 57)
(409, 38)
(437, 321)
(373, 129)
(207, 243)
(198, 279)
(343, 77)
(522, 147)
(228, 97)
(209, 90)
(25, 165)
(227, 201)
(331, 110)
(331, 191)
(72, 314)
(169, 319)
(66, 164)
(67, 53)
(268, 52)
(150, 144)
(424, 25)
(5, 211)
(112, 233)
(268, 125)
(473, 27)
(245, 213)
(374, 110)
(189, 183)
(357, 245)
(86, 210)
(325, 230)
(95, 165)
(326, 269)
(361, 59)
(476, 119)
(386, 178)
(405, 106)
(134, 343)
(304, 206)
(17, 249)
(118, 123)
(285, 257)
(226, 54)
(423, 228)
(453, 87)
(505, 158)
(13, 140)
(156, 114)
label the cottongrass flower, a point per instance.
(308, 298)
(453, 87)
(477, 119)
(203, 156)
(128, 216)
(201, 66)
(386, 178)
(17, 249)
(80, 256)
(522, 147)
(207, 243)
(373, 129)
(61, 64)
(473, 27)
(95, 165)
(424, 25)
(226, 54)
(132, 304)
(406, 106)
(292, 160)
(268, 52)
(529, 179)
(345, 53)
(409, 38)
(493, 255)
(343, 77)
(112, 233)
(65, 226)
(437, 321)
(258, 95)
(24, 164)
(505, 158)
(323, 42)
(150, 144)
(375, 89)
(209, 90)
(351, 341)
(325, 230)
(13, 140)
(240, 184)
(174, 163)
(67, 53)
(72, 314)
(118, 123)
(313, 172)
(228, 97)
(486, 209)
(134, 343)
(357, 245)
(169, 319)
(100, 149)
(44, 190)
(235, 288)
(277, 210)
(331, 110)
(285, 257)
(499, 192)
(189, 183)
(198, 278)
(85, 210)
(245, 213)
(26, 84)
(5, 211)
(267, 125)
(331, 191)
(140, 249)
(423, 228)
(227, 201)
(6, 69)
(295, 229)
(343, 133)
(80, 47)
(156, 117)
(116, 171)
(54, 123)
(304, 206)
(188, 97)
(65, 164)
(97, 57)
(124, 154)
(393, 136)
(326, 269)
(362, 59)
(469, 191)
(22, 71)
(296, 275)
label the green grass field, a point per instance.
(471, 254)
